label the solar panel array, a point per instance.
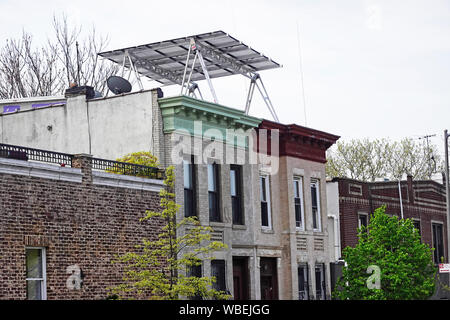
(165, 61)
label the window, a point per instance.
(236, 194)
(298, 202)
(303, 282)
(362, 220)
(36, 277)
(438, 242)
(189, 188)
(195, 271)
(320, 281)
(315, 204)
(213, 192)
(218, 272)
(265, 202)
(416, 224)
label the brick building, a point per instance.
(216, 179)
(62, 223)
(351, 203)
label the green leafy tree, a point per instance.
(161, 268)
(394, 246)
(142, 158)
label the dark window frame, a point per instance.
(321, 292)
(437, 230)
(214, 195)
(190, 208)
(303, 286)
(315, 205)
(299, 203)
(266, 221)
(218, 270)
(237, 209)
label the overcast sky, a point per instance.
(371, 68)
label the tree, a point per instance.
(27, 70)
(141, 158)
(161, 269)
(393, 245)
(367, 159)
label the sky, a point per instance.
(370, 68)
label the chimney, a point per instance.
(409, 180)
(76, 90)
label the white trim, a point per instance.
(40, 170)
(363, 214)
(32, 99)
(44, 271)
(124, 181)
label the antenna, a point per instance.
(430, 170)
(118, 85)
(300, 64)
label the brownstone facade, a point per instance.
(83, 223)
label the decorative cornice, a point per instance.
(300, 142)
(180, 112)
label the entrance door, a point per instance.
(269, 282)
(320, 281)
(303, 282)
(240, 278)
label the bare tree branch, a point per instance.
(27, 70)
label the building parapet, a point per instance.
(78, 168)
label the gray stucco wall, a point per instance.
(106, 128)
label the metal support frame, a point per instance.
(131, 68)
(255, 78)
(201, 51)
(186, 84)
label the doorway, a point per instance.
(269, 281)
(240, 278)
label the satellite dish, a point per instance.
(118, 85)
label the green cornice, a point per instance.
(180, 113)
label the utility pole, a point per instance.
(447, 193)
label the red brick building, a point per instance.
(61, 224)
(422, 201)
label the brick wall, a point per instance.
(422, 200)
(80, 223)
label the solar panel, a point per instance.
(165, 61)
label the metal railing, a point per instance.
(23, 153)
(64, 159)
(125, 168)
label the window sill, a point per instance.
(267, 230)
(239, 227)
(217, 224)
